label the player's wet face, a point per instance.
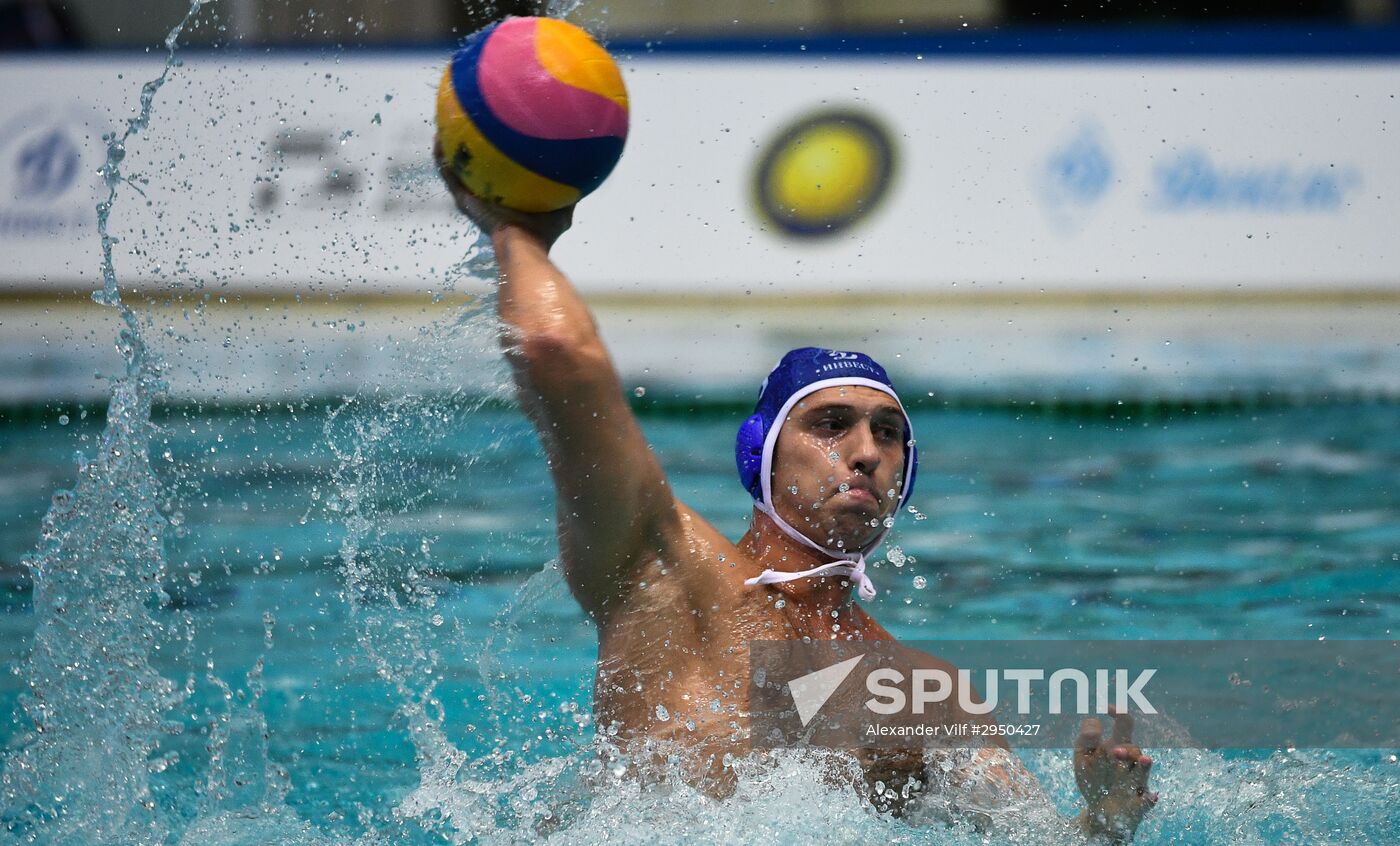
(838, 465)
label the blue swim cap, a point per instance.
(802, 372)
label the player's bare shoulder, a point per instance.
(707, 561)
(682, 568)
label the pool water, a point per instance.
(367, 638)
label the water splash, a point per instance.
(392, 589)
(242, 800)
(93, 704)
(1285, 799)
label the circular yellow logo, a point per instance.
(824, 172)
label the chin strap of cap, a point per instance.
(855, 572)
(850, 565)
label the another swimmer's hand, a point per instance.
(1112, 777)
(497, 220)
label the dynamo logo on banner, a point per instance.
(44, 188)
(1074, 177)
(45, 164)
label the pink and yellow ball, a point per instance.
(532, 114)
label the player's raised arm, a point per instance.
(613, 499)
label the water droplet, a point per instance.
(920, 582)
(639, 391)
(662, 714)
(63, 420)
(63, 501)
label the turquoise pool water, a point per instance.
(367, 640)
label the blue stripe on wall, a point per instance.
(1243, 41)
(1225, 42)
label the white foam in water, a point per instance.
(85, 764)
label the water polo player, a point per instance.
(828, 458)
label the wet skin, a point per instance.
(666, 589)
(678, 635)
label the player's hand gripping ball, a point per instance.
(531, 114)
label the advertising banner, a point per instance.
(742, 174)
